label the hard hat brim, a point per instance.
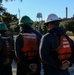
(20, 24)
(52, 21)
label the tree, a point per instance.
(70, 26)
(7, 18)
(2, 9)
(9, 0)
(35, 25)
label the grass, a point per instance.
(72, 37)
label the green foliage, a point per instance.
(35, 25)
(64, 23)
(70, 26)
(44, 29)
(40, 27)
(2, 9)
(69, 33)
(6, 18)
(9, 19)
(15, 29)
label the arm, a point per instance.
(18, 46)
(72, 47)
(44, 50)
(3, 52)
(48, 43)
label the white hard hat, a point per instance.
(52, 17)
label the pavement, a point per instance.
(71, 69)
(14, 71)
(14, 68)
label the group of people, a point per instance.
(32, 51)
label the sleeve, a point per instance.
(44, 50)
(72, 47)
(18, 46)
(3, 52)
(11, 41)
(46, 45)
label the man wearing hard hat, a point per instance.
(56, 48)
(27, 44)
(8, 46)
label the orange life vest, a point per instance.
(30, 47)
(64, 49)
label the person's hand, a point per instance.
(33, 67)
(65, 64)
(7, 61)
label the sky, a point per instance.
(46, 7)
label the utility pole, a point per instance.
(0, 1)
(19, 13)
(66, 12)
(0, 7)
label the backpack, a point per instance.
(30, 47)
(63, 51)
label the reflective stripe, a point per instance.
(30, 47)
(64, 50)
